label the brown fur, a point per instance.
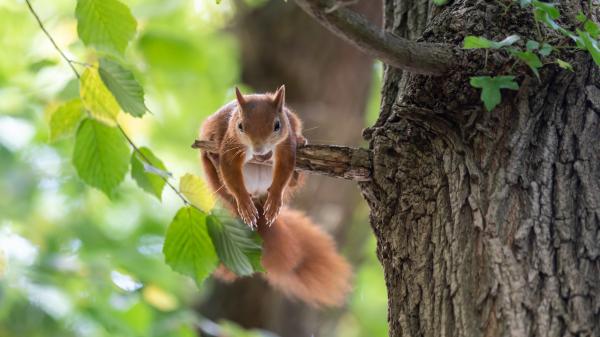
(300, 259)
(247, 125)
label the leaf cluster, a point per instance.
(535, 54)
(198, 238)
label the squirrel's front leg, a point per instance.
(231, 164)
(283, 168)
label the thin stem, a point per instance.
(137, 150)
(507, 8)
(538, 30)
(513, 66)
(37, 18)
(81, 63)
(131, 143)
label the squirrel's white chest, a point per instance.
(257, 178)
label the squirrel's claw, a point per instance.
(248, 213)
(272, 208)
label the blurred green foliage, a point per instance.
(72, 261)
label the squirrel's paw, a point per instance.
(272, 207)
(248, 212)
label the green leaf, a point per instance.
(440, 2)
(546, 13)
(138, 318)
(592, 28)
(490, 88)
(546, 49)
(478, 42)
(524, 3)
(508, 41)
(564, 64)
(529, 58)
(237, 247)
(124, 87)
(188, 249)
(70, 90)
(96, 98)
(578, 41)
(101, 155)
(41, 64)
(581, 17)
(545, 18)
(532, 45)
(197, 192)
(64, 120)
(146, 174)
(591, 45)
(548, 8)
(105, 24)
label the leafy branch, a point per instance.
(585, 39)
(78, 75)
(62, 54)
(199, 237)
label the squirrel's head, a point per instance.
(260, 121)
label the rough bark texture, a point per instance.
(327, 84)
(488, 224)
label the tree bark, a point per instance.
(488, 223)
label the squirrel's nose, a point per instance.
(259, 150)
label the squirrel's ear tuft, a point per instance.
(279, 98)
(240, 98)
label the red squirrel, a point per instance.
(299, 258)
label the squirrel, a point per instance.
(300, 259)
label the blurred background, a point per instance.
(75, 263)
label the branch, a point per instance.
(417, 57)
(62, 54)
(129, 140)
(330, 160)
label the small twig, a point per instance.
(129, 140)
(538, 31)
(166, 180)
(84, 64)
(485, 64)
(37, 18)
(330, 160)
(507, 8)
(513, 66)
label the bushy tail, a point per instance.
(302, 261)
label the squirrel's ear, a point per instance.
(279, 98)
(239, 97)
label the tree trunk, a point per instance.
(280, 44)
(488, 223)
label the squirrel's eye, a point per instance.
(277, 126)
(240, 127)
